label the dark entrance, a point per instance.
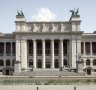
(56, 63)
(7, 72)
(89, 71)
(39, 64)
(47, 63)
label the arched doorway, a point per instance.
(30, 63)
(56, 63)
(88, 70)
(47, 63)
(39, 63)
(65, 63)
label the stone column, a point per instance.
(84, 63)
(43, 53)
(84, 47)
(23, 54)
(61, 53)
(52, 53)
(90, 48)
(34, 53)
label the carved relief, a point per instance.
(46, 27)
(55, 27)
(18, 28)
(36, 28)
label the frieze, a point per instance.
(44, 27)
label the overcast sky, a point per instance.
(49, 10)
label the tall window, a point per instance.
(7, 62)
(39, 63)
(47, 47)
(13, 48)
(56, 63)
(65, 62)
(88, 62)
(94, 62)
(13, 62)
(47, 63)
(8, 48)
(87, 48)
(39, 47)
(56, 47)
(30, 47)
(82, 47)
(94, 48)
(1, 63)
(30, 63)
(1, 48)
(65, 47)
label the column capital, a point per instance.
(52, 39)
(61, 39)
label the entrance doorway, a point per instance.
(7, 72)
(89, 71)
(47, 63)
(39, 64)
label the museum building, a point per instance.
(48, 48)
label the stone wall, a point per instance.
(48, 87)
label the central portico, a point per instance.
(47, 45)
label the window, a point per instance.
(56, 63)
(94, 48)
(94, 62)
(65, 47)
(82, 47)
(30, 47)
(39, 63)
(13, 48)
(47, 48)
(30, 63)
(7, 62)
(87, 48)
(1, 63)
(1, 48)
(47, 63)
(39, 47)
(88, 62)
(8, 48)
(65, 62)
(56, 47)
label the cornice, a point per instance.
(68, 33)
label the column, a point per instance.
(4, 48)
(23, 54)
(43, 53)
(61, 52)
(84, 63)
(34, 53)
(84, 47)
(52, 53)
(90, 48)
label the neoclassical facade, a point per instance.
(48, 46)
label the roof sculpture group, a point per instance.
(75, 12)
(20, 13)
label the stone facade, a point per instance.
(51, 46)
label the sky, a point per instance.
(47, 10)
